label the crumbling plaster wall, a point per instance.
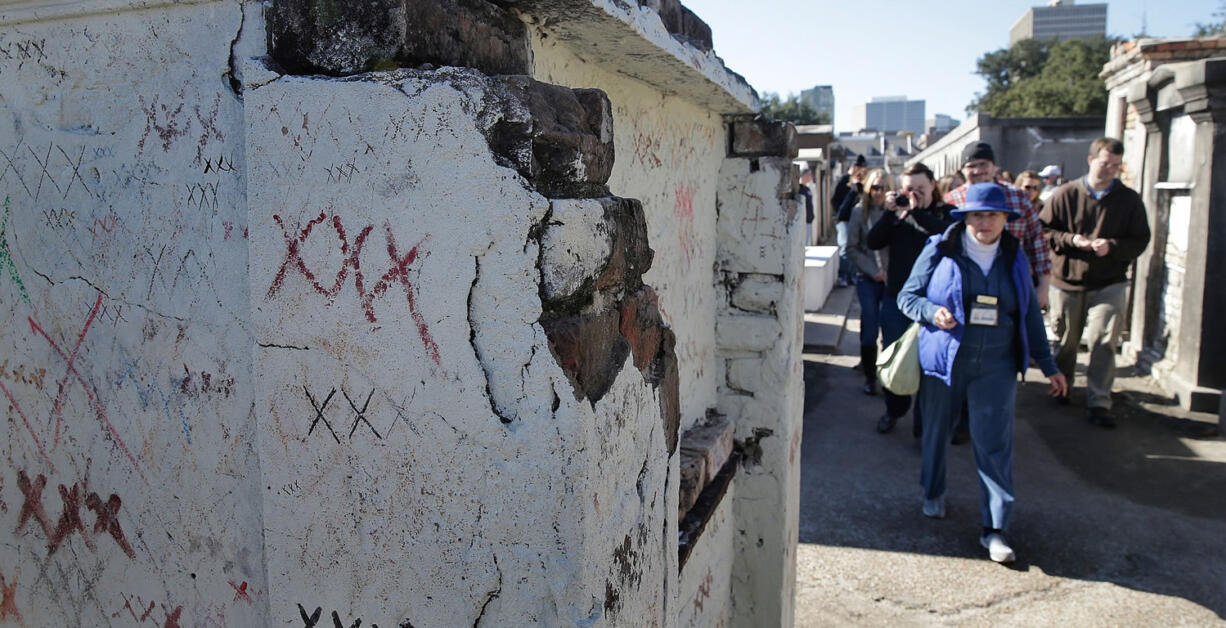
(469, 480)
(669, 151)
(129, 486)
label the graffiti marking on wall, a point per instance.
(69, 522)
(71, 369)
(397, 273)
(219, 165)
(171, 616)
(704, 591)
(319, 413)
(359, 414)
(163, 121)
(342, 172)
(312, 620)
(8, 600)
(683, 211)
(6, 256)
(203, 195)
(21, 50)
(240, 591)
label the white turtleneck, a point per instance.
(982, 254)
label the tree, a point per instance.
(1047, 78)
(1213, 29)
(792, 110)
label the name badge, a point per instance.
(984, 311)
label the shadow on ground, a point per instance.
(1141, 506)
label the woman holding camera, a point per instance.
(870, 269)
(971, 290)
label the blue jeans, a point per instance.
(985, 376)
(871, 294)
(846, 271)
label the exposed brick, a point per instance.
(340, 38)
(712, 442)
(670, 388)
(683, 24)
(642, 327)
(589, 349)
(760, 136)
(563, 143)
(693, 478)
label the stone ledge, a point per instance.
(690, 528)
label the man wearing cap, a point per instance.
(1096, 227)
(972, 292)
(979, 166)
(1050, 174)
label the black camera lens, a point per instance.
(901, 201)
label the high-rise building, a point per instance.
(821, 99)
(1060, 19)
(940, 123)
(889, 114)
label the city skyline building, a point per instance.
(821, 99)
(889, 114)
(1060, 19)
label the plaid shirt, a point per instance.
(1027, 229)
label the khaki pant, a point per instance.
(1098, 316)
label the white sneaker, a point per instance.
(935, 508)
(998, 548)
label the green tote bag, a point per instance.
(898, 366)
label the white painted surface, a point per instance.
(821, 271)
(123, 286)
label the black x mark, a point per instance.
(361, 414)
(319, 416)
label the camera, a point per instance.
(901, 200)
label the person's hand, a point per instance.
(1059, 385)
(1100, 246)
(879, 277)
(1082, 242)
(891, 203)
(944, 319)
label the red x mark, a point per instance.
(397, 273)
(33, 504)
(108, 519)
(70, 368)
(70, 520)
(8, 600)
(240, 591)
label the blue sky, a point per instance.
(891, 48)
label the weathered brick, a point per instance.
(712, 442)
(760, 136)
(693, 474)
(563, 141)
(340, 38)
(589, 349)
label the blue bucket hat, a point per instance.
(986, 197)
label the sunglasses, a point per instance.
(1030, 187)
(877, 188)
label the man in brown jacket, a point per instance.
(1096, 227)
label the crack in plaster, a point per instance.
(489, 596)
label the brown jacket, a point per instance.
(1119, 216)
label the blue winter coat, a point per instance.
(936, 280)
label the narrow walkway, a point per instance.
(1112, 527)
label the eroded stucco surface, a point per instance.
(128, 485)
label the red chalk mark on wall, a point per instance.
(70, 515)
(240, 591)
(21, 413)
(683, 211)
(8, 600)
(397, 273)
(70, 368)
(108, 519)
(172, 617)
(704, 591)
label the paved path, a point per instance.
(1112, 528)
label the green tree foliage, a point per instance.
(1046, 78)
(792, 110)
(1216, 28)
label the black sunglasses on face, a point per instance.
(878, 188)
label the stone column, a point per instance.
(759, 336)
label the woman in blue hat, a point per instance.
(971, 291)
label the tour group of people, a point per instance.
(976, 259)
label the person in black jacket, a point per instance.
(914, 213)
(846, 194)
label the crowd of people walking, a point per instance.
(975, 259)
